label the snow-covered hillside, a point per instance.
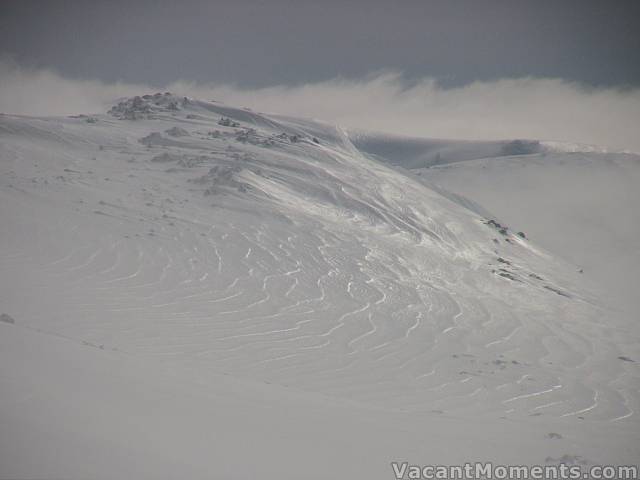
(205, 291)
(581, 206)
(578, 201)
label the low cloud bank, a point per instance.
(537, 108)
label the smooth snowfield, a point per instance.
(74, 411)
(202, 289)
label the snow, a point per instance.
(581, 206)
(577, 201)
(259, 298)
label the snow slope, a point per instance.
(581, 206)
(577, 201)
(188, 278)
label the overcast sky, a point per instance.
(560, 70)
(289, 42)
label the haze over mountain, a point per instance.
(578, 201)
(192, 289)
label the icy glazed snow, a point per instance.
(200, 291)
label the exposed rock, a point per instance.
(227, 122)
(521, 147)
(146, 106)
(177, 132)
(165, 157)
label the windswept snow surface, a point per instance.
(209, 292)
(578, 201)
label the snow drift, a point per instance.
(198, 289)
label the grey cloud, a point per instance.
(548, 109)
